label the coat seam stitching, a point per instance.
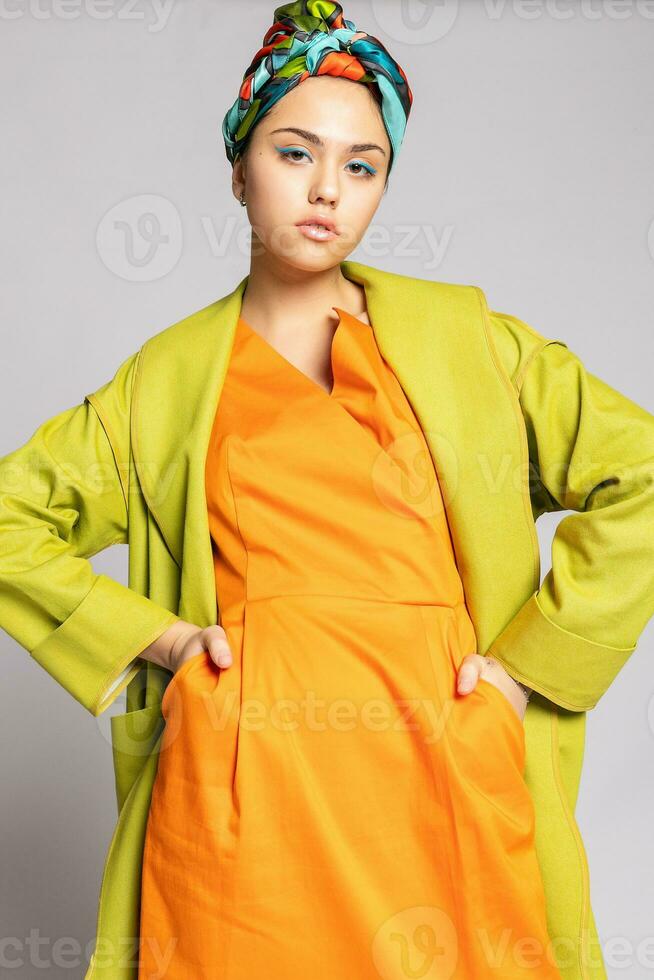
(104, 421)
(522, 438)
(520, 376)
(516, 408)
(136, 446)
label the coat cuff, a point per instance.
(566, 668)
(110, 627)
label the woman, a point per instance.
(335, 781)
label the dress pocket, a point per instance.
(484, 748)
(178, 676)
(494, 692)
(488, 749)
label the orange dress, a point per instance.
(329, 807)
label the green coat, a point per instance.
(516, 427)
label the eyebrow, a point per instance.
(315, 139)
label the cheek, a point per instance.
(275, 197)
(357, 207)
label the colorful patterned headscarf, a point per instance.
(311, 37)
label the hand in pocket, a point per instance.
(474, 667)
(196, 640)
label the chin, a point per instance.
(315, 259)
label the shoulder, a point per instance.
(179, 347)
(184, 329)
(113, 400)
(114, 395)
(416, 291)
(514, 341)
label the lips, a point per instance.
(320, 222)
(317, 229)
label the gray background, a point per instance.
(526, 169)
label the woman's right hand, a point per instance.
(183, 640)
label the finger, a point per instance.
(468, 673)
(217, 646)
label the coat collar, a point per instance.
(429, 334)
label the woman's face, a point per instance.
(321, 152)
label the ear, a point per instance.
(238, 177)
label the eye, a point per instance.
(288, 152)
(295, 154)
(367, 170)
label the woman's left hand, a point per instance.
(474, 666)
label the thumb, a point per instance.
(215, 640)
(468, 673)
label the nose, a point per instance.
(325, 189)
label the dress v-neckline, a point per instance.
(328, 394)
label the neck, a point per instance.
(277, 293)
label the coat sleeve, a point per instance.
(63, 498)
(591, 452)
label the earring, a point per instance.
(242, 199)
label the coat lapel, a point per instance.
(434, 336)
(177, 389)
